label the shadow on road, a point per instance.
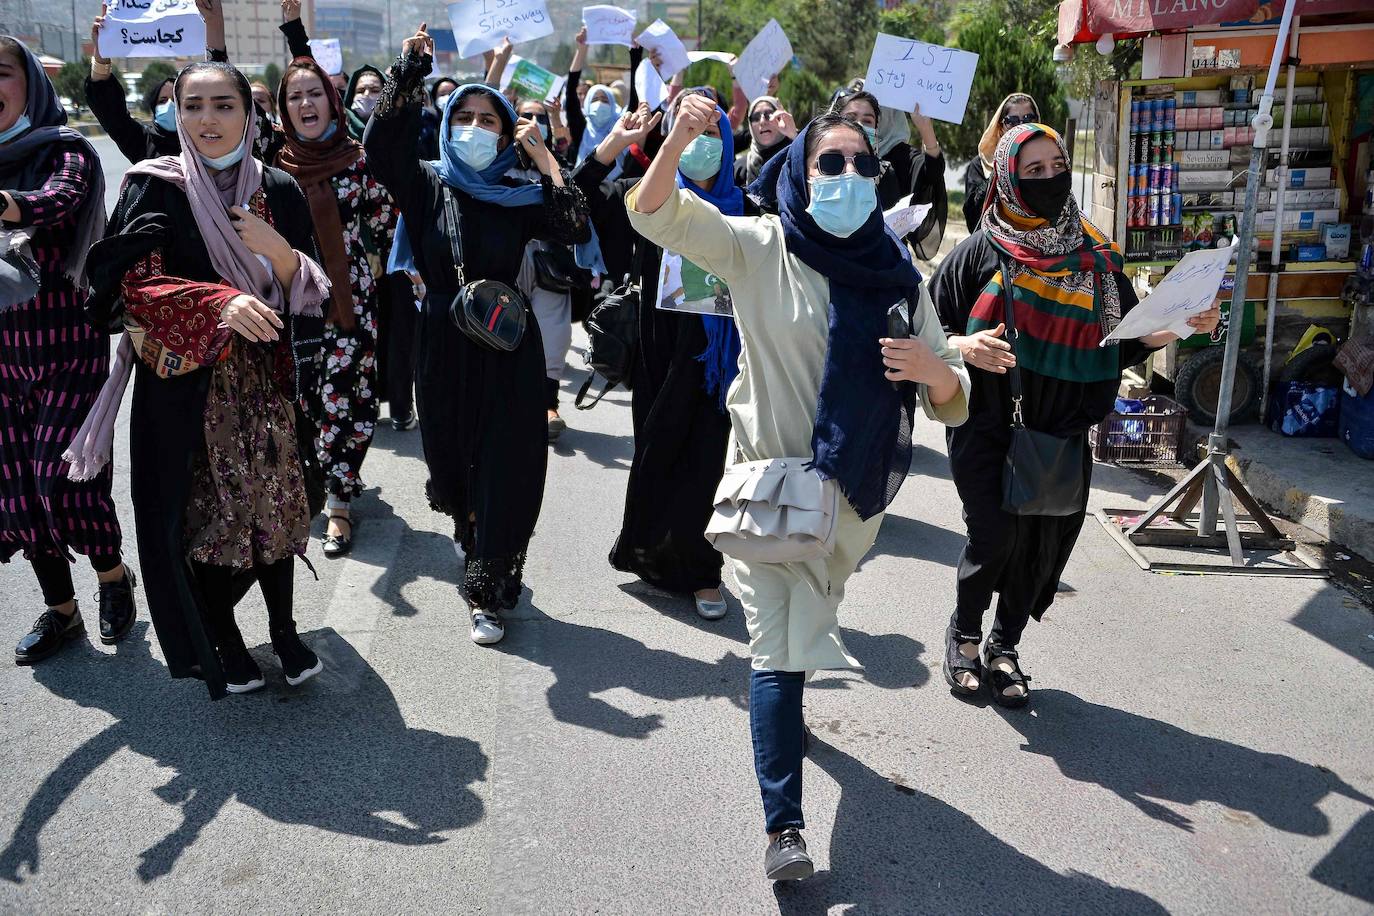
(1141, 759)
(912, 539)
(891, 661)
(681, 609)
(300, 757)
(1349, 866)
(895, 849)
(1340, 623)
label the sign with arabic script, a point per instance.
(152, 28)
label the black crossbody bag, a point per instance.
(488, 312)
(1043, 474)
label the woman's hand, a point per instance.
(554, 108)
(290, 10)
(260, 238)
(986, 350)
(910, 359)
(634, 126)
(531, 143)
(96, 26)
(1206, 322)
(251, 318)
(419, 44)
(504, 52)
(784, 124)
(582, 36)
(694, 115)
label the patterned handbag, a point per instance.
(177, 335)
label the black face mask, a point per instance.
(1046, 197)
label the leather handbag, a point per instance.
(488, 312)
(613, 335)
(774, 511)
(556, 270)
(1043, 474)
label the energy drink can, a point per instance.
(1154, 210)
(1173, 178)
(1136, 106)
(1177, 205)
(1170, 113)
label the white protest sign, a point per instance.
(327, 54)
(904, 73)
(152, 28)
(672, 53)
(763, 59)
(608, 25)
(1185, 291)
(649, 86)
(906, 217)
(725, 57)
(480, 25)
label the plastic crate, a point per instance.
(1152, 437)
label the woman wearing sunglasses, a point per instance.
(771, 129)
(1069, 292)
(812, 288)
(1017, 108)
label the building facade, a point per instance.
(361, 30)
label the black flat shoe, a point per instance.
(117, 609)
(51, 631)
(956, 664)
(1000, 681)
(404, 423)
(339, 545)
(787, 859)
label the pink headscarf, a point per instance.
(210, 197)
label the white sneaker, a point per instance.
(710, 610)
(487, 628)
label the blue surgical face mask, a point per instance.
(328, 132)
(17, 128)
(840, 204)
(473, 145)
(872, 133)
(230, 158)
(601, 113)
(165, 116)
(701, 159)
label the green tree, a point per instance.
(271, 75)
(70, 81)
(154, 74)
(921, 21)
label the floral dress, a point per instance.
(348, 392)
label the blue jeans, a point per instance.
(775, 722)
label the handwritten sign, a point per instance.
(725, 57)
(480, 25)
(763, 59)
(152, 28)
(649, 87)
(608, 25)
(327, 54)
(672, 53)
(904, 73)
(532, 81)
(1185, 291)
(906, 217)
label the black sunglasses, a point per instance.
(832, 164)
(1012, 120)
(762, 115)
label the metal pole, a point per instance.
(1217, 449)
(1271, 305)
(76, 37)
(700, 43)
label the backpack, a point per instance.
(613, 336)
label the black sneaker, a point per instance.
(298, 663)
(241, 673)
(51, 631)
(117, 610)
(786, 858)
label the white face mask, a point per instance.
(440, 101)
(364, 105)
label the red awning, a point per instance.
(1085, 20)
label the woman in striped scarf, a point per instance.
(1069, 292)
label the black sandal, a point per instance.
(956, 664)
(1000, 681)
(338, 545)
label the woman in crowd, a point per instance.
(812, 289)
(482, 410)
(1017, 108)
(1069, 292)
(771, 129)
(262, 97)
(429, 117)
(682, 370)
(361, 97)
(908, 171)
(52, 362)
(210, 262)
(591, 115)
(353, 216)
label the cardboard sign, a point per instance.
(904, 73)
(481, 25)
(608, 25)
(764, 58)
(672, 53)
(532, 81)
(152, 28)
(327, 54)
(1185, 291)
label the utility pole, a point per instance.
(76, 36)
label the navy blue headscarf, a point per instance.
(722, 337)
(862, 439)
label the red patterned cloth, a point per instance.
(174, 323)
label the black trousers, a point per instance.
(224, 587)
(397, 327)
(55, 576)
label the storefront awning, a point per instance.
(1085, 20)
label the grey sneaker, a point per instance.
(786, 858)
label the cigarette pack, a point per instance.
(1205, 180)
(1336, 240)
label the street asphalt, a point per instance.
(1194, 744)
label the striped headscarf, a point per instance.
(1061, 274)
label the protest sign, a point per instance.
(763, 59)
(608, 25)
(906, 217)
(725, 57)
(480, 25)
(904, 73)
(672, 54)
(532, 81)
(327, 54)
(1185, 291)
(685, 287)
(650, 88)
(152, 28)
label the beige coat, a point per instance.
(782, 310)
